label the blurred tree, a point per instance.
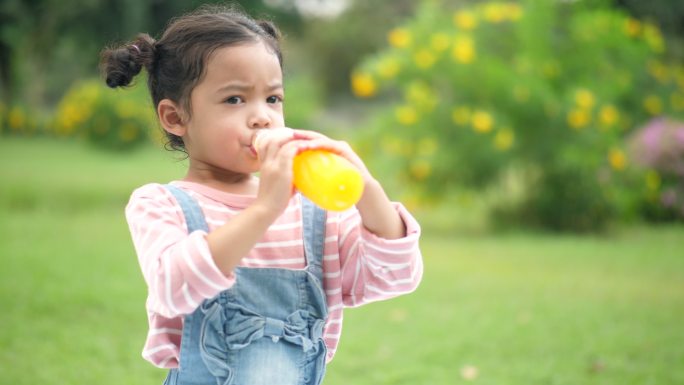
(47, 44)
(337, 44)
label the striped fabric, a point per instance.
(180, 272)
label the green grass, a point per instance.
(522, 308)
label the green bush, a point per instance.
(19, 120)
(550, 88)
(3, 117)
(111, 119)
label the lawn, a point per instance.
(514, 308)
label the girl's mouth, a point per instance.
(252, 145)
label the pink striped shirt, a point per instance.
(358, 267)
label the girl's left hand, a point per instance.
(312, 140)
(377, 213)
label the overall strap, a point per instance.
(194, 218)
(314, 219)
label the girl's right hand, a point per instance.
(275, 148)
(231, 242)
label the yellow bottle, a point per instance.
(327, 179)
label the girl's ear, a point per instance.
(171, 117)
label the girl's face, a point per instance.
(241, 92)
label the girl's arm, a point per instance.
(378, 240)
(377, 213)
(178, 267)
(232, 241)
(375, 268)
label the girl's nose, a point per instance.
(260, 118)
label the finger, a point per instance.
(307, 134)
(284, 155)
(325, 144)
(267, 142)
(293, 147)
(340, 148)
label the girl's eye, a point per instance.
(274, 99)
(234, 100)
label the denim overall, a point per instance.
(267, 329)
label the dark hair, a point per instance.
(176, 62)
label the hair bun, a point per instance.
(120, 65)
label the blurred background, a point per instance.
(540, 143)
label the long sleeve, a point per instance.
(376, 269)
(178, 267)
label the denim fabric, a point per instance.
(267, 329)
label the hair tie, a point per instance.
(136, 48)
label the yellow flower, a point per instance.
(421, 95)
(482, 121)
(464, 50)
(424, 59)
(679, 75)
(608, 115)
(460, 115)
(654, 38)
(584, 98)
(578, 118)
(128, 132)
(617, 159)
(632, 27)
(406, 115)
(427, 147)
(653, 105)
(514, 11)
(494, 12)
(659, 71)
(420, 169)
(411, 200)
(126, 109)
(91, 91)
(652, 180)
(388, 68)
(503, 140)
(399, 38)
(363, 85)
(677, 101)
(440, 41)
(16, 118)
(465, 20)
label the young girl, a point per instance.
(247, 279)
